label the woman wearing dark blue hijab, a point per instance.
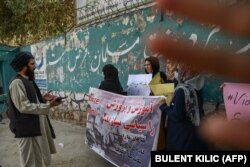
(185, 113)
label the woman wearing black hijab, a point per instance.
(111, 81)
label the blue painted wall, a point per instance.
(74, 60)
(6, 55)
(6, 72)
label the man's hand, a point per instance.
(223, 62)
(55, 102)
(48, 96)
(235, 135)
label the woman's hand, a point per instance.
(161, 101)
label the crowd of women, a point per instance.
(181, 118)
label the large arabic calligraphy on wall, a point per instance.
(122, 129)
(75, 60)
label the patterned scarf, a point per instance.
(171, 72)
(190, 84)
(191, 103)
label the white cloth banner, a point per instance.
(122, 129)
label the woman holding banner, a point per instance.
(185, 112)
(152, 66)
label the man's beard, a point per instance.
(30, 73)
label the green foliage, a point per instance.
(27, 21)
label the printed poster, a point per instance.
(40, 71)
(122, 129)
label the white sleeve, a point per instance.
(19, 97)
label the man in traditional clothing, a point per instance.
(28, 113)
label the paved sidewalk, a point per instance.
(71, 149)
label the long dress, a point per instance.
(20, 100)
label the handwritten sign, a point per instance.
(122, 129)
(237, 101)
(139, 79)
(138, 84)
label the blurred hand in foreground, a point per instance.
(223, 62)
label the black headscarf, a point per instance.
(111, 81)
(21, 60)
(110, 72)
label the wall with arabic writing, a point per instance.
(74, 60)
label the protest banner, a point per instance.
(237, 101)
(122, 129)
